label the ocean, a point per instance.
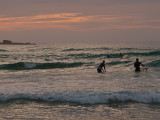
(60, 82)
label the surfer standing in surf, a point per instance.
(101, 68)
(137, 65)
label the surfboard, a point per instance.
(125, 56)
(144, 68)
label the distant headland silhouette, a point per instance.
(9, 42)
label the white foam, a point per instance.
(89, 98)
(30, 65)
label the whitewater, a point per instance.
(60, 82)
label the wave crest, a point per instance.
(88, 98)
(28, 65)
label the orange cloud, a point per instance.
(75, 21)
(10, 23)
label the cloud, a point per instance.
(77, 21)
(38, 18)
(43, 21)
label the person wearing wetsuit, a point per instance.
(137, 65)
(101, 68)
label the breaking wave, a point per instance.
(28, 65)
(87, 98)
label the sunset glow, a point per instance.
(68, 17)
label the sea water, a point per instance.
(60, 82)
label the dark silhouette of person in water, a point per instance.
(108, 56)
(101, 68)
(137, 65)
(120, 55)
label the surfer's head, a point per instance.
(137, 59)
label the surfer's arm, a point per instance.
(104, 68)
(142, 65)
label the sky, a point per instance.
(74, 21)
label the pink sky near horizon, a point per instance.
(50, 21)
